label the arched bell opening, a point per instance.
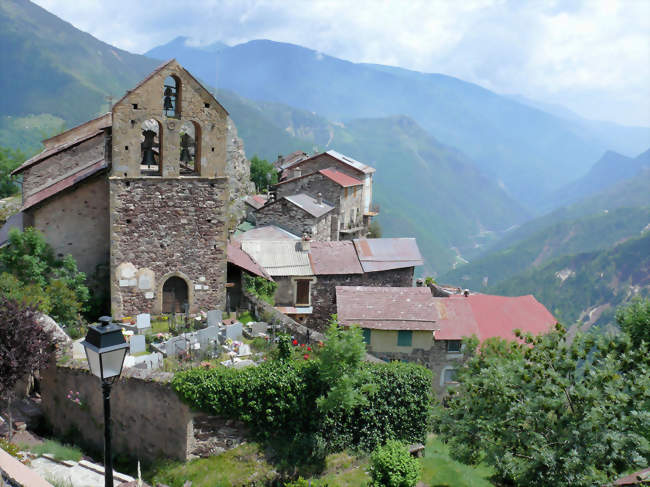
(190, 149)
(172, 97)
(151, 148)
(175, 295)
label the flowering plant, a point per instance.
(73, 396)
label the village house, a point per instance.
(138, 196)
(307, 273)
(410, 324)
(300, 214)
(344, 182)
(252, 203)
(342, 191)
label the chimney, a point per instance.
(466, 292)
(419, 282)
(319, 199)
(305, 242)
(297, 172)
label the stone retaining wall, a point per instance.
(149, 421)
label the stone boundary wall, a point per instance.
(149, 420)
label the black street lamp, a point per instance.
(105, 350)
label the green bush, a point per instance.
(10, 448)
(260, 287)
(278, 399)
(392, 465)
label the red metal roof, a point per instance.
(64, 184)
(386, 308)
(334, 258)
(635, 478)
(381, 254)
(238, 257)
(256, 200)
(489, 316)
(340, 178)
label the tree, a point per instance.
(263, 174)
(25, 347)
(9, 160)
(391, 465)
(41, 279)
(340, 368)
(374, 229)
(552, 413)
(634, 319)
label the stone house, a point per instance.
(300, 214)
(409, 324)
(252, 203)
(138, 196)
(332, 160)
(344, 192)
(307, 273)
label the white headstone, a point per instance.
(244, 350)
(137, 344)
(143, 321)
(214, 317)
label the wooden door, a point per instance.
(174, 295)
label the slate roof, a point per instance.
(267, 232)
(488, 316)
(381, 254)
(386, 308)
(308, 204)
(67, 139)
(334, 258)
(279, 257)
(348, 161)
(64, 183)
(238, 257)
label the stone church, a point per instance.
(139, 196)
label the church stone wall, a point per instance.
(162, 227)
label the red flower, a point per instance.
(306, 356)
(320, 344)
(302, 345)
(309, 349)
(295, 342)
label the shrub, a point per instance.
(391, 465)
(260, 287)
(10, 448)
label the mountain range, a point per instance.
(460, 167)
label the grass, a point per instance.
(439, 469)
(58, 481)
(61, 452)
(246, 317)
(159, 326)
(247, 463)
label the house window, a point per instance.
(346, 192)
(366, 335)
(453, 346)
(404, 338)
(449, 375)
(302, 292)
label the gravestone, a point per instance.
(234, 331)
(143, 321)
(214, 317)
(244, 350)
(258, 327)
(137, 344)
(175, 345)
(206, 334)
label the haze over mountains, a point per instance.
(457, 165)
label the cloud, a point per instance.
(592, 56)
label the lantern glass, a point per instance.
(93, 362)
(112, 363)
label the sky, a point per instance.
(591, 56)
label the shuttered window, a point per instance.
(366, 335)
(404, 338)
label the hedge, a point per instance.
(278, 399)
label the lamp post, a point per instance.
(105, 350)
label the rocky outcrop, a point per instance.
(238, 173)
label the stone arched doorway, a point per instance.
(174, 295)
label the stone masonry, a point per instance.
(295, 220)
(163, 228)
